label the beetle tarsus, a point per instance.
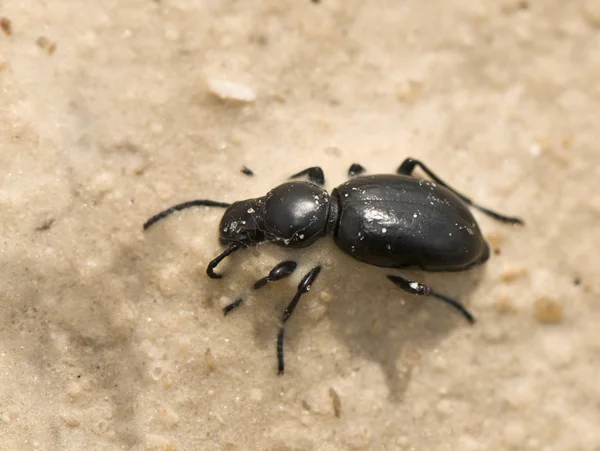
(420, 289)
(247, 171)
(235, 304)
(215, 262)
(303, 287)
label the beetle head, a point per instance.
(243, 222)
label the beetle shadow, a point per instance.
(382, 323)
(376, 320)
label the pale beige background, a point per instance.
(111, 338)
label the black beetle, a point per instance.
(392, 221)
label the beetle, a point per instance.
(390, 220)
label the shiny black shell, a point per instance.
(295, 213)
(399, 221)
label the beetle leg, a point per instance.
(247, 171)
(303, 287)
(229, 307)
(407, 167)
(421, 289)
(280, 271)
(193, 203)
(315, 175)
(355, 169)
(215, 262)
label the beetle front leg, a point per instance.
(210, 270)
(280, 271)
(407, 167)
(303, 287)
(421, 289)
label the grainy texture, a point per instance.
(111, 338)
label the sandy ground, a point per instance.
(111, 338)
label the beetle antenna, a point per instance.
(183, 206)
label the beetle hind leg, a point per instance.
(408, 166)
(315, 175)
(421, 289)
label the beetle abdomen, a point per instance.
(401, 221)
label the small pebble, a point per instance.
(402, 441)
(158, 442)
(6, 26)
(168, 281)
(167, 381)
(444, 407)
(376, 327)
(46, 44)
(439, 363)
(102, 427)
(156, 372)
(256, 394)
(520, 395)
(409, 91)
(169, 417)
(316, 310)
(547, 310)
(102, 183)
(469, 443)
(495, 240)
(535, 150)
(74, 392)
(411, 355)
(336, 402)
(333, 151)
(558, 350)
(511, 273)
(504, 305)
(70, 421)
(513, 6)
(493, 333)
(209, 360)
(325, 296)
(227, 90)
